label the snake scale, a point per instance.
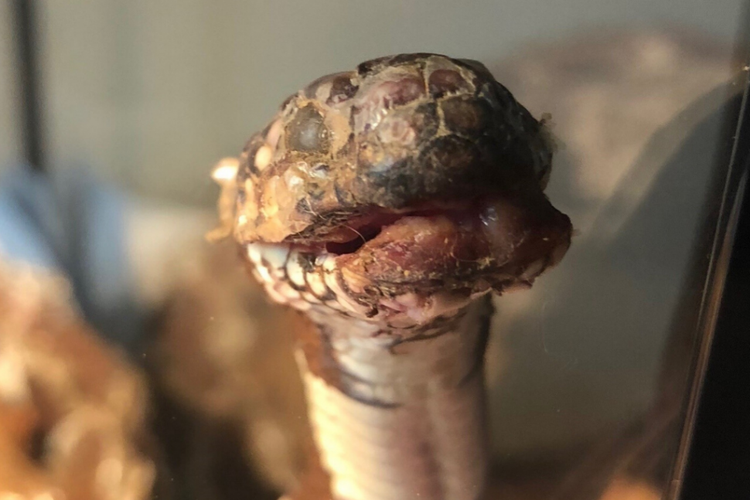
(386, 204)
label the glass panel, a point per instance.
(587, 372)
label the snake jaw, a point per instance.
(407, 268)
(418, 267)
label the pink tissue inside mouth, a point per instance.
(484, 237)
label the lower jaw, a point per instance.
(400, 419)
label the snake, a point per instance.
(387, 204)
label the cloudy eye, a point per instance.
(307, 132)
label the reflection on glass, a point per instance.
(642, 120)
(588, 372)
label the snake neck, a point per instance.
(399, 413)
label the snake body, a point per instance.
(386, 203)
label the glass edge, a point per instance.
(733, 194)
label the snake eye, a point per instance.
(307, 132)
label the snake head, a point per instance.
(397, 191)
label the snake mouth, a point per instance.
(411, 267)
(351, 235)
(473, 245)
(408, 268)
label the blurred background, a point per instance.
(136, 102)
(151, 94)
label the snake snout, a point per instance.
(412, 182)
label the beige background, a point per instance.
(9, 139)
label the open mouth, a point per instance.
(415, 265)
(497, 239)
(352, 236)
(349, 237)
